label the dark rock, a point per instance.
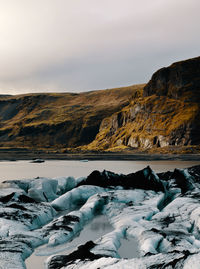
(18, 198)
(176, 80)
(195, 172)
(7, 198)
(103, 179)
(26, 199)
(145, 179)
(17, 206)
(63, 223)
(38, 161)
(82, 253)
(165, 175)
(183, 181)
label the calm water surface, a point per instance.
(129, 248)
(92, 231)
(25, 169)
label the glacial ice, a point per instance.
(164, 217)
(43, 189)
(76, 196)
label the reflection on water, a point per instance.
(100, 224)
(98, 227)
(128, 248)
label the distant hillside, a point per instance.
(166, 115)
(156, 117)
(56, 120)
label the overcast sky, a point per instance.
(78, 45)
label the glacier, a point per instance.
(160, 211)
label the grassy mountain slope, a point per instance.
(158, 116)
(167, 114)
(58, 120)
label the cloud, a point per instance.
(74, 45)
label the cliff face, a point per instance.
(164, 113)
(167, 114)
(57, 120)
(180, 80)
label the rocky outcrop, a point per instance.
(57, 120)
(163, 114)
(167, 114)
(181, 79)
(145, 179)
(83, 251)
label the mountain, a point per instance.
(166, 115)
(160, 116)
(58, 120)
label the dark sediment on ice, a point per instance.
(170, 222)
(145, 179)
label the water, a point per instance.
(129, 248)
(27, 170)
(92, 231)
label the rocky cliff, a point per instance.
(181, 80)
(58, 120)
(161, 114)
(167, 114)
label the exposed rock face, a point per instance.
(166, 115)
(145, 179)
(161, 114)
(57, 120)
(176, 81)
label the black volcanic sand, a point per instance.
(16, 154)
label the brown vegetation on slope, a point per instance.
(156, 117)
(56, 120)
(166, 115)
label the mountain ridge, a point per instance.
(57, 120)
(167, 114)
(160, 115)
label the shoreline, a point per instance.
(17, 155)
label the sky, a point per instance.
(79, 45)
